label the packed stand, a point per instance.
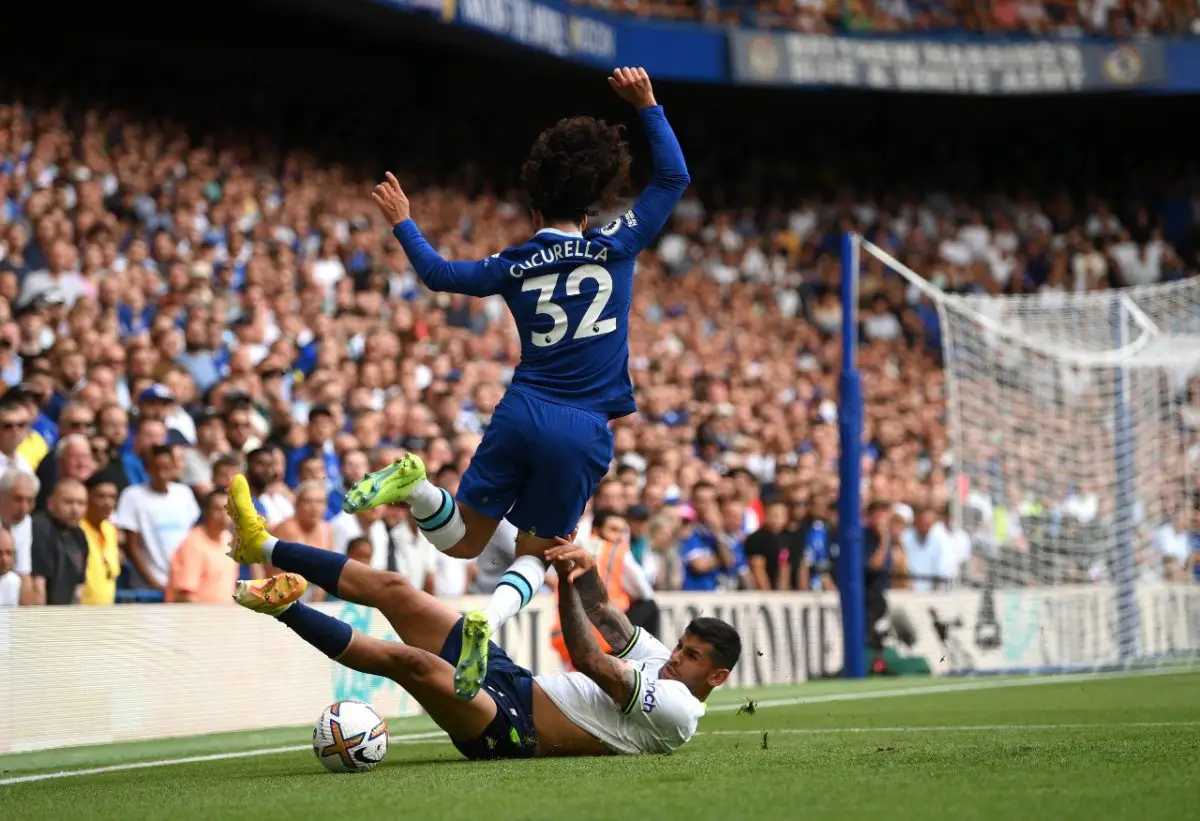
(1044, 18)
(174, 312)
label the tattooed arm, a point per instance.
(611, 622)
(580, 569)
(617, 679)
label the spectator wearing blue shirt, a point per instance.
(1195, 541)
(35, 394)
(148, 434)
(815, 570)
(312, 469)
(879, 542)
(705, 556)
(733, 536)
(155, 402)
(199, 356)
(321, 429)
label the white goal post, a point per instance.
(1074, 428)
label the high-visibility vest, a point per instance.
(610, 561)
(610, 564)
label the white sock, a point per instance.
(519, 584)
(268, 546)
(437, 515)
(425, 499)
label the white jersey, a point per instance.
(660, 716)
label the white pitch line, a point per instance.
(956, 687)
(948, 728)
(765, 703)
(195, 759)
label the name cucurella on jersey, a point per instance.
(570, 249)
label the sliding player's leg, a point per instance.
(419, 619)
(425, 675)
(573, 454)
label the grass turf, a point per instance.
(1077, 748)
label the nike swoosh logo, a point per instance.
(360, 756)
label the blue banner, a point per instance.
(1046, 66)
(667, 50)
(925, 62)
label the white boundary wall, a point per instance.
(87, 675)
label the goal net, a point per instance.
(1074, 427)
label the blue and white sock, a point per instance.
(517, 588)
(437, 515)
(321, 567)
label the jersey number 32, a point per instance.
(591, 324)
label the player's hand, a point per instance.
(633, 86)
(391, 199)
(569, 559)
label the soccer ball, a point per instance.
(350, 737)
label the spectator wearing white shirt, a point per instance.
(1103, 223)
(976, 235)
(1172, 542)
(11, 586)
(1138, 264)
(18, 493)
(367, 524)
(1089, 268)
(409, 553)
(928, 551)
(960, 550)
(58, 282)
(156, 517)
(262, 472)
(881, 325)
(1082, 505)
(14, 426)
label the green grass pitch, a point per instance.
(1086, 748)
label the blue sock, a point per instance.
(325, 633)
(321, 567)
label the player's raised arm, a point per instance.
(481, 278)
(613, 625)
(653, 208)
(618, 680)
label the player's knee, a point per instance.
(409, 664)
(389, 588)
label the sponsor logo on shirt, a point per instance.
(649, 702)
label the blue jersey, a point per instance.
(817, 554)
(570, 292)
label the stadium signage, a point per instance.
(1062, 628)
(939, 66)
(543, 27)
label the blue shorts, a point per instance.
(511, 733)
(538, 464)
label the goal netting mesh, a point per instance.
(1074, 421)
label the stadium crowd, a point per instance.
(1063, 18)
(174, 310)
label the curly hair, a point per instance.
(575, 164)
